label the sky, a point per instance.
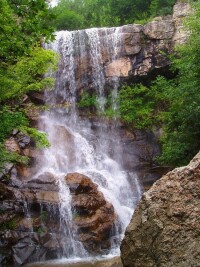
(54, 2)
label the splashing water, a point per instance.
(75, 145)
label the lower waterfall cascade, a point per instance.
(76, 147)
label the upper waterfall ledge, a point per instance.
(143, 46)
(94, 58)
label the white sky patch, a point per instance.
(53, 3)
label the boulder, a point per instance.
(164, 230)
(132, 43)
(79, 183)
(12, 145)
(93, 216)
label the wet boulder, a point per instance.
(93, 216)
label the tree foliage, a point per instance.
(23, 23)
(135, 106)
(79, 14)
(181, 140)
(140, 106)
(27, 74)
(24, 26)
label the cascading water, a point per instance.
(75, 145)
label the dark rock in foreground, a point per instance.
(164, 230)
(30, 219)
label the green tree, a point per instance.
(141, 107)
(24, 26)
(26, 75)
(135, 107)
(68, 15)
(78, 14)
(181, 140)
(23, 23)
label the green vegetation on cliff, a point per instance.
(181, 140)
(173, 104)
(79, 14)
(24, 24)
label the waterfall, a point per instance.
(75, 145)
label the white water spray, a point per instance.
(75, 146)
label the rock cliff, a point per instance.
(164, 230)
(126, 53)
(145, 48)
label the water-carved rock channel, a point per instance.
(77, 198)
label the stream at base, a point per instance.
(90, 262)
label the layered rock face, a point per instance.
(144, 48)
(29, 223)
(30, 227)
(164, 230)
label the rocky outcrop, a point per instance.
(181, 10)
(30, 215)
(29, 221)
(164, 230)
(21, 144)
(94, 217)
